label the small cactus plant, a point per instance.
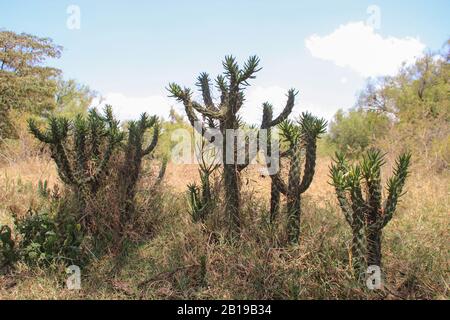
(367, 215)
(224, 116)
(43, 189)
(302, 138)
(201, 199)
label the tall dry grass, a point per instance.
(168, 262)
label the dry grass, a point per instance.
(168, 265)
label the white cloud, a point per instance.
(357, 46)
(130, 108)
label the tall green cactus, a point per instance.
(349, 182)
(81, 149)
(224, 116)
(302, 138)
(134, 153)
(275, 193)
(346, 181)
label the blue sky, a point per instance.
(130, 50)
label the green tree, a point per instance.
(417, 101)
(355, 131)
(73, 98)
(26, 84)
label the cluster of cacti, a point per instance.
(302, 144)
(359, 192)
(83, 148)
(224, 116)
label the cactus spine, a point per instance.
(367, 215)
(302, 138)
(231, 86)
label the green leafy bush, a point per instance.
(355, 131)
(47, 238)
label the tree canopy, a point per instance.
(26, 83)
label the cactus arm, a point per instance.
(310, 165)
(232, 72)
(154, 142)
(96, 132)
(218, 115)
(371, 164)
(80, 133)
(55, 136)
(184, 96)
(311, 128)
(295, 173)
(222, 85)
(249, 70)
(65, 171)
(41, 136)
(281, 185)
(286, 111)
(395, 187)
(267, 115)
(337, 174)
(204, 83)
(114, 139)
(345, 205)
(237, 78)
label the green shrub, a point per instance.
(46, 238)
(354, 132)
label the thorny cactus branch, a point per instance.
(310, 128)
(302, 138)
(292, 93)
(349, 181)
(204, 84)
(395, 186)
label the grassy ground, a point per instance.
(179, 259)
